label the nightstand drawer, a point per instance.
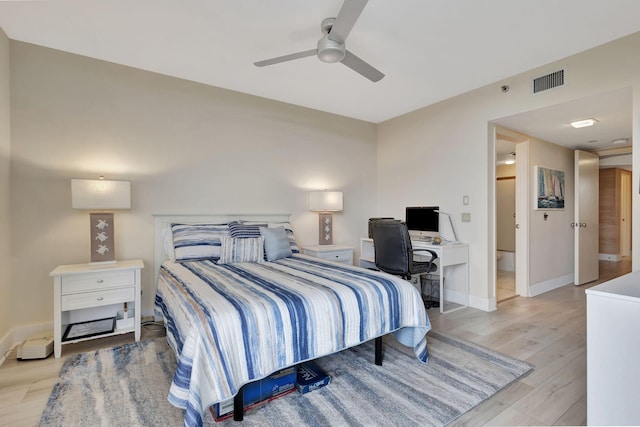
(97, 298)
(97, 280)
(338, 256)
(336, 253)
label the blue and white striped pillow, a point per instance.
(198, 241)
(241, 250)
(245, 231)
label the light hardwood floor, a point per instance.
(505, 285)
(548, 331)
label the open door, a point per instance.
(522, 219)
(586, 217)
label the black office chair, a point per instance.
(394, 253)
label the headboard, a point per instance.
(162, 221)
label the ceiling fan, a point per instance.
(331, 48)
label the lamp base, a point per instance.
(325, 229)
(101, 227)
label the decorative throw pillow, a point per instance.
(241, 250)
(276, 243)
(245, 231)
(197, 241)
(287, 226)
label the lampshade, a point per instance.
(325, 201)
(100, 194)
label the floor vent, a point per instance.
(548, 82)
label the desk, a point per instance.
(453, 262)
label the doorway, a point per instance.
(552, 124)
(505, 216)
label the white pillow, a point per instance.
(167, 243)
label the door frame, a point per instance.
(523, 175)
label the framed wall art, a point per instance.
(550, 188)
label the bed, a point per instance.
(233, 323)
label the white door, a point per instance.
(522, 219)
(586, 217)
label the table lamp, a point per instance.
(101, 194)
(325, 202)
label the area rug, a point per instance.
(128, 386)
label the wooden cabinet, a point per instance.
(85, 292)
(615, 214)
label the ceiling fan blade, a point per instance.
(285, 58)
(347, 17)
(361, 67)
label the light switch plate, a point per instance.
(465, 200)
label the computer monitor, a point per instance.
(423, 222)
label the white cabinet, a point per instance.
(613, 351)
(85, 292)
(337, 253)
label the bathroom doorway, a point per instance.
(505, 217)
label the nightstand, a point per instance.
(83, 293)
(337, 253)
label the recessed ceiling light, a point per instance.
(511, 158)
(583, 123)
(620, 141)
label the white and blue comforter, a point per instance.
(236, 323)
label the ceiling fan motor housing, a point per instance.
(330, 51)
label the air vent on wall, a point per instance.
(548, 82)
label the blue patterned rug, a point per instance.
(128, 386)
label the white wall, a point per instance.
(5, 152)
(185, 147)
(551, 248)
(442, 152)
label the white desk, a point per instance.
(453, 262)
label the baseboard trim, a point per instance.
(484, 304)
(549, 285)
(6, 345)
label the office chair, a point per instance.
(394, 253)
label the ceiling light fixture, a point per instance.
(620, 141)
(583, 123)
(511, 159)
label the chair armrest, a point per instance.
(434, 254)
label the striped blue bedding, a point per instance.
(235, 323)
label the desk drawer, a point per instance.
(98, 280)
(456, 255)
(97, 298)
